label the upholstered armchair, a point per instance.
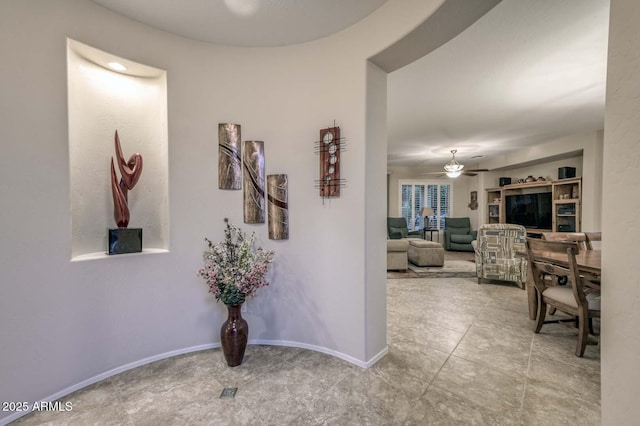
(458, 234)
(501, 253)
(397, 228)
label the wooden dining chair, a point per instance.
(577, 237)
(583, 239)
(593, 236)
(569, 299)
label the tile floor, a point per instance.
(459, 353)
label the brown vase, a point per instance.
(233, 336)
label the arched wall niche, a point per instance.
(101, 101)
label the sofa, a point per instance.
(397, 257)
(458, 234)
(404, 246)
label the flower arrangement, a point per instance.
(233, 269)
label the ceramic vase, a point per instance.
(233, 336)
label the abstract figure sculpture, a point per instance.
(130, 173)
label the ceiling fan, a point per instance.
(453, 168)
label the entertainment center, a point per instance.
(548, 206)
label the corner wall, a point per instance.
(375, 223)
(65, 324)
(620, 345)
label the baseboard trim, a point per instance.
(378, 356)
(102, 376)
(107, 374)
(345, 357)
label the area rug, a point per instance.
(451, 269)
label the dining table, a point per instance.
(589, 263)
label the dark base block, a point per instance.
(566, 172)
(125, 240)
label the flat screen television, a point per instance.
(529, 210)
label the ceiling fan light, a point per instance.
(453, 166)
(454, 174)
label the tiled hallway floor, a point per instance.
(459, 353)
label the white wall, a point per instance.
(395, 175)
(463, 185)
(620, 344)
(592, 167)
(63, 323)
(376, 225)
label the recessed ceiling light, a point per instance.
(242, 7)
(117, 66)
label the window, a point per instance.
(418, 194)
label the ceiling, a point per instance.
(524, 73)
(247, 22)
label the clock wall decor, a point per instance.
(329, 147)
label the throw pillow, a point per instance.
(402, 231)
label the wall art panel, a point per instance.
(278, 206)
(229, 171)
(329, 147)
(254, 181)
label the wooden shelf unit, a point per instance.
(494, 205)
(566, 203)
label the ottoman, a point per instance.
(397, 254)
(425, 253)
